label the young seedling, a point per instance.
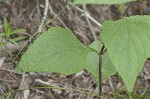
(5, 37)
(127, 42)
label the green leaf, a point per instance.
(128, 44)
(2, 44)
(2, 34)
(7, 28)
(56, 50)
(93, 59)
(101, 1)
(108, 69)
(122, 8)
(5, 24)
(15, 43)
(93, 62)
(17, 31)
(8, 31)
(16, 39)
(96, 45)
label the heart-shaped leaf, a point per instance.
(128, 43)
(56, 50)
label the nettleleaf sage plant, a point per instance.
(126, 41)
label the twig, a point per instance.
(44, 17)
(87, 14)
(125, 12)
(88, 21)
(53, 87)
(2, 59)
(84, 37)
(58, 18)
(111, 84)
(22, 80)
(38, 8)
(145, 91)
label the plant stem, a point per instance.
(128, 94)
(125, 12)
(100, 71)
(100, 76)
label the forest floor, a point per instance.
(28, 14)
